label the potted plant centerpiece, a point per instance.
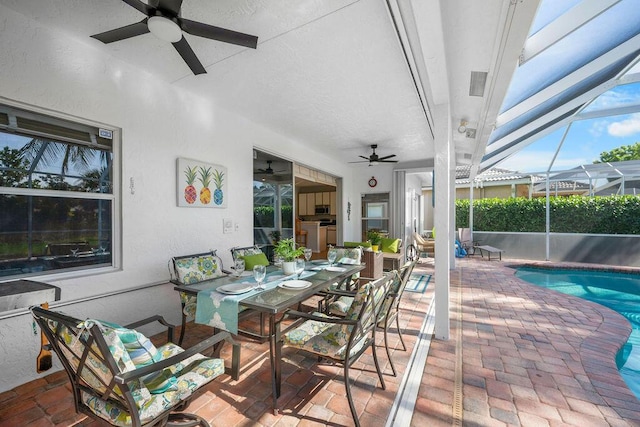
(375, 238)
(286, 249)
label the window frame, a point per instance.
(12, 109)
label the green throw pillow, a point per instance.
(252, 260)
(390, 245)
(357, 244)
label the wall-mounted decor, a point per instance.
(201, 184)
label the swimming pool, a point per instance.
(617, 291)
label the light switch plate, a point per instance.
(227, 225)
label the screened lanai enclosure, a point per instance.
(574, 95)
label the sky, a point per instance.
(584, 143)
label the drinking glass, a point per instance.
(239, 266)
(299, 266)
(307, 253)
(259, 272)
(331, 256)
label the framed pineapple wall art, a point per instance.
(202, 185)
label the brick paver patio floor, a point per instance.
(518, 355)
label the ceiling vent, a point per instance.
(478, 82)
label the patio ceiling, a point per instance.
(335, 74)
(576, 51)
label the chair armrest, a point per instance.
(127, 377)
(336, 320)
(159, 319)
(340, 293)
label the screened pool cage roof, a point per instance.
(579, 63)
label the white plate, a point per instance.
(338, 269)
(295, 284)
(235, 288)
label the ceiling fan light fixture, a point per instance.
(463, 126)
(164, 29)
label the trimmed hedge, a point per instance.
(574, 214)
(263, 216)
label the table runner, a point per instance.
(220, 310)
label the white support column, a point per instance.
(453, 232)
(471, 210)
(442, 219)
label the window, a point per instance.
(57, 201)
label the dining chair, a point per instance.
(342, 340)
(390, 310)
(118, 376)
(189, 269)
(252, 256)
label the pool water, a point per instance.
(617, 291)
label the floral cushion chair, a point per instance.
(252, 255)
(390, 309)
(117, 375)
(349, 256)
(343, 340)
(191, 269)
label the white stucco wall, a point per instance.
(159, 123)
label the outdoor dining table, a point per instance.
(272, 302)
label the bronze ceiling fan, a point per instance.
(374, 159)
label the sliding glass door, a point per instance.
(272, 200)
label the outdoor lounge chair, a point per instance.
(117, 375)
(343, 340)
(464, 236)
(424, 245)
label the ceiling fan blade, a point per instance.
(386, 157)
(361, 161)
(388, 161)
(217, 33)
(140, 6)
(363, 157)
(123, 32)
(183, 48)
(172, 6)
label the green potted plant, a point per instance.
(375, 238)
(287, 250)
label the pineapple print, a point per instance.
(205, 179)
(218, 179)
(190, 193)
